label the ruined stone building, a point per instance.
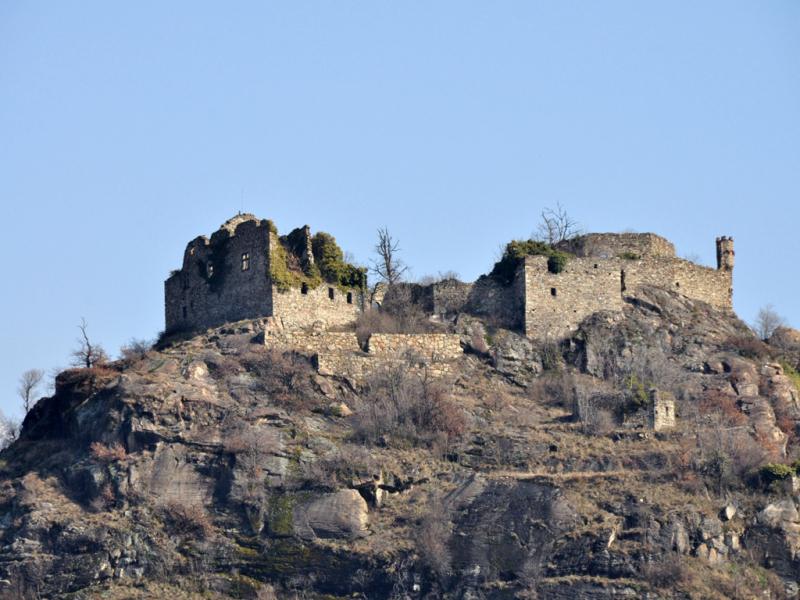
(247, 271)
(600, 270)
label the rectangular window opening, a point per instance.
(210, 269)
(304, 289)
(330, 293)
(245, 261)
(553, 292)
(349, 297)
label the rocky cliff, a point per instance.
(215, 467)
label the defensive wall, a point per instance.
(339, 354)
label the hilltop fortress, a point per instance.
(246, 270)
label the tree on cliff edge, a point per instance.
(87, 354)
(29, 383)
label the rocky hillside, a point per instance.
(216, 468)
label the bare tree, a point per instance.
(29, 382)
(556, 225)
(9, 431)
(767, 321)
(388, 267)
(87, 354)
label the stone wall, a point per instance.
(714, 286)
(212, 288)
(358, 368)
(310, 343)
(616, 245)
(338, 353)
(555, 303)
(433, 346)
(324, 306)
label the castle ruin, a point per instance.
(247, 271)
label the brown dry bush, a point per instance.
(285, 377)
(135, 350)
(187, 519)
(106, 454)
(399, 313)
(221, 367)
(666, 573)
(727, 457)
(402, 405)
(749, 347)
(432, 537)
(554, 389)
(722, 408)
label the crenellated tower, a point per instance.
(725, 253)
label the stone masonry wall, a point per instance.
(714, 286)
(338, 353)
(555, 303)
(211, 288)
(311, 343)
(433, 346)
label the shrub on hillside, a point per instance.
(400, 405)
(285, 377)
(186, 519)
(749, 347)
(107, 454)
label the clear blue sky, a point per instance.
(126, 129)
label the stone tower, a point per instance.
(662, 410)
(725, 253)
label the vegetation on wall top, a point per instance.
(329, 258)
(516, 251)
(287, 270)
